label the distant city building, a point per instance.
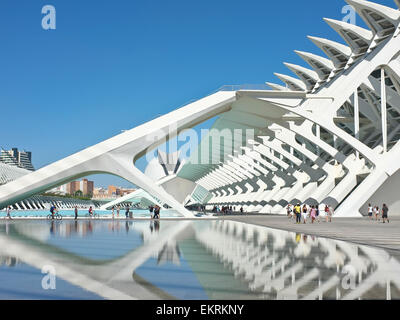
(114, 191)
(85, 186)
(16, 158)
(100, 193)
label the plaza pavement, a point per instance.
(357, 230)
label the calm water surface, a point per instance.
(97, 259)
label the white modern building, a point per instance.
(328, 134)
(17, 158)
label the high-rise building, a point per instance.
(72, 187)
(114, 191)
(86, 186)
(16, 158)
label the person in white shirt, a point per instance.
(376, 212)
(289, 210)
(370, 209)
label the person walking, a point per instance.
(127, 211)
(304, 214)
(313, 213)
(370, 210)
(289, 211)
(326, 210)
(385, 211)
(317, 213)
(76, 212)
(113, 208)
(151, 209)
(157, 212)
(331, 212)
(9, 208)
(376, 212)
(297, 210)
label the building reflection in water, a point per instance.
(9, 261)
(282, 265)
(71, 228)
(268, 263)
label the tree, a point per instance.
(78, 193)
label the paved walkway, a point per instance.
(358, 230)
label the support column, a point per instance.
(383, 110)
(318, 134)
(335, 146)
(357, 119)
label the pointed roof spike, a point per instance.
(381, 27)
(277, 86)
(356, 37)
(309, 77)
(321, 65)
(293, 83)
(337, 52)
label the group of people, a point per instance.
(302, 213)
(154, 211)
(226, 209)
(374, 212)
(117, 208)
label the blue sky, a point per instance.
(111, 65)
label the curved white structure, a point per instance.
(329, 136)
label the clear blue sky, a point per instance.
(114, 64)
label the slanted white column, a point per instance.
(357, 119)
(335, 146)
(383, 110)
(318, 134)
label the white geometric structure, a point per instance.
(329, 136)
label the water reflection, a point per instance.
(207, 259)
(283, 265)
(9, 261)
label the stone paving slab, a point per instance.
(357, 230)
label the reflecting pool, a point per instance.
(98, 259)
(83, 213)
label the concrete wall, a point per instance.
(388, 193)
(179, 188)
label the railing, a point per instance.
(244, 87)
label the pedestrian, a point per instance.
(385, 211)
(76, 212)
(9, 208)
(151, 209)
(127, 211)
(376, 212)
(326, 210)
(297, 210)
(317, 215)
(157, 212)
(370, 209)
(304, 213)
(289, 211)
(331, 212)
(313, 213)
(90, 211)
(113, 208)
